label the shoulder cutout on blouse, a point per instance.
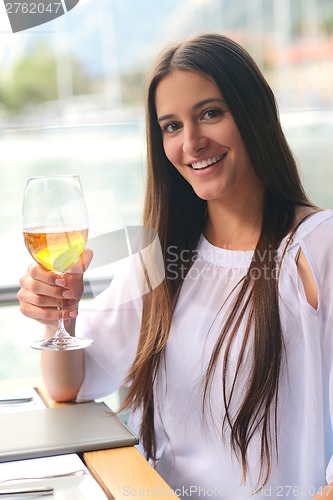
(306, 275)
(304, 269)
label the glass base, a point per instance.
(61, 344)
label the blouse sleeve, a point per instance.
(317, 246)
(113, 321)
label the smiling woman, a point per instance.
(229, 358)
(245, 300)
(201, 139)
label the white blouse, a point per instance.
(193, 457)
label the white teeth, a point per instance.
(206, 163)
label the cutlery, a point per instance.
(12, 401)
(79, 472)
(42, 491)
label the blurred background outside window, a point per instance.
(71, 101)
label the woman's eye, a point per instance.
(171, 127)
(211, 113)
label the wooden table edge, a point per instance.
(124, 480)
(125, 473)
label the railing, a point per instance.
(92, 287)
(8, 295)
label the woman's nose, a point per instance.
(193, 140)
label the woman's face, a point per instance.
(201, 139)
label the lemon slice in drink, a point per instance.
(54, 261)
(67, 258)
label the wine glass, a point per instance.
(55, 229)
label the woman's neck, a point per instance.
(235, 227)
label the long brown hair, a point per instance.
(178, 215)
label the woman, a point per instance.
(228, 359)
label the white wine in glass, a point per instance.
(55, 229)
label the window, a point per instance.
(71, 101)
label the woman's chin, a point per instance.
(207, 195)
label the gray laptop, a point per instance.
(65, 429)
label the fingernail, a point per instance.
(60, 282)
(73, 314)
(67, 294)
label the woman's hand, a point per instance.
(40, 290)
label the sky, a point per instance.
(123, 32)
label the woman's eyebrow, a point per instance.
(210, 100)
(198, 105)
(166, 117)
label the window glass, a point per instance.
(71, 101)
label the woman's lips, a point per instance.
(206, 166)
(207, 163)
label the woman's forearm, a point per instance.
(62, 372)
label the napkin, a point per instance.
(83, 487)
(37, 467)
(36, 402)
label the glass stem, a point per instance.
(61, 330)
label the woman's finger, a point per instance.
(41, 288)
(83, 263)
(46, 315)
